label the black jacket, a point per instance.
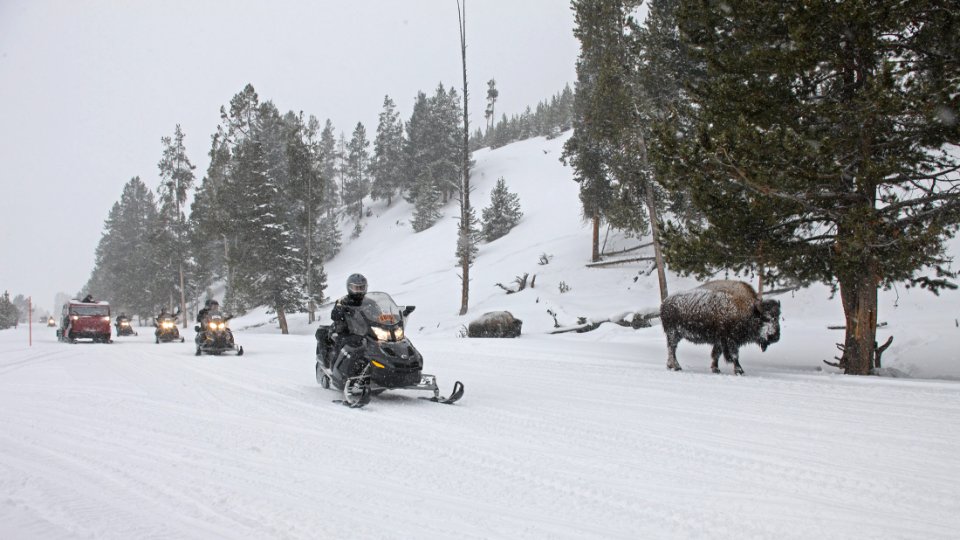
(339, 313)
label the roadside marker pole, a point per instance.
(30, 317)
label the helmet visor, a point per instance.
(357, 288)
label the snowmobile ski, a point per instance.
(456, 395)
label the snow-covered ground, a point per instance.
(558, 436)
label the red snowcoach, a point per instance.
(85, 320)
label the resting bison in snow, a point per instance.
(498, 324)
(725, 314)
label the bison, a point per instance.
(725, 314)
(498, 324)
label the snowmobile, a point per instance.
(381, 358)
(124, 328)
(214, 337)
(167, 330)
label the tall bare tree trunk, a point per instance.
(465, 224)
(651, 201)
(311, 306)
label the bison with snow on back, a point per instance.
(725, 314)
(496, 324)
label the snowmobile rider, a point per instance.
(356, 290)
(211, 306)
(88, 299)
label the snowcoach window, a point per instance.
(90, 311)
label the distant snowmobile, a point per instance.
(384, 360)
(167, 329)
(214, 337)
(124, 328)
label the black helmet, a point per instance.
(211, 302)
(356, 285)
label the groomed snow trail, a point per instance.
(551, 440)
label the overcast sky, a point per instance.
(88, 88)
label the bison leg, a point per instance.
(673, 339)
(731, 353)
(715, 355)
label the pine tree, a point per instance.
(358, 165)
(125, 269)
(327, 156)
(176, 179)
(426, 207)
(820, 133)
(492, 95)
(387, 166)
(503, 213)
(275, 276)
(468, 239)
(416, 147)
(9, 315)
(304, 194)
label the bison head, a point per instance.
(768, 314)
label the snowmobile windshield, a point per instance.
(90, 311)
(379, 309)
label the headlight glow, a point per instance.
(106, 319)
(168, 324)
(398, 333)
(382, 335)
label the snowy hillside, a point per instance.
(558, 436)
(419, 268)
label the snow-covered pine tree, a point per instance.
(327, 157)
(176, 179)
(468, 238)
(358, 166)
(387, 164)
(125, 269)
(273, 276)
(304, 194)
(9, 315)
(426, 207)
(492, 95)
(416, 147)
(503, 213)
(328, 237)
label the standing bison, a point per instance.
(725, 314)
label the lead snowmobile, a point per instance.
(214, 336)
(383, 359)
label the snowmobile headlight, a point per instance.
(168, 324)
(382, 334)
(124, 323)
(398, 333)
